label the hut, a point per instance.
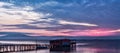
(62, 44)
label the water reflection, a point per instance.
(96, 50)
(63, 50)
(89, 50)
(101, 48)
(78, 50)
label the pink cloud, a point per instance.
(94, 32)
(90, 32)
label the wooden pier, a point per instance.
(21, 47)
(55, 45)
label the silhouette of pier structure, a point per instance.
(21, 47)
(55, 45)
(62, 45)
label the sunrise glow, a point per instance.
(67, 18)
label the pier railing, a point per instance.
(21, 47)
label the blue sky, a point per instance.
(61, 17)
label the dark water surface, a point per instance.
(86, 47)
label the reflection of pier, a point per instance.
(21, 47)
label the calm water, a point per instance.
(78, 50)
(94, 47)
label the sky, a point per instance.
(61, 17)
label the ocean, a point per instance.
(103, 46)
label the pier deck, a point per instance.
(21, 47)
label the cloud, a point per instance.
(49, 3)
(36, 32)
(53, 4)
(18, 15)
(2, 35)
(67, 32)
(5, 4)
(43, 25)
(93, 32)
(7, 27)
(49, 17)
(75, 23)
